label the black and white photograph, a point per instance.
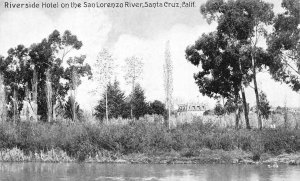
(150, 90)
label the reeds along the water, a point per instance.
(3, 110)
(49, 95)
(17, 155)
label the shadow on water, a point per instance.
(114, 172)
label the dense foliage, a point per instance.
(116, 103)
(284, 44)
(120, 106)
(83, 139)
(158, 108)
(48, 55)
(138, 102)
(230, 57)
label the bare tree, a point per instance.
(168, 80)
(134, 69)
(102, 74)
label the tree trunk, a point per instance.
(169, 112)
(34, 94)
(237, 113)
(106, 108)
(3, 110)
(245, 108)
(15, 105)
(131, 106)
(256, 92)
(244, 99)
(224, 120)
(74, 107)
(285, 116)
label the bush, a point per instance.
(280, 140)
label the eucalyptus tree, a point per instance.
(223, 69)
(49, 56)
(75, 70)
(244, 21)
(284, 45)
(28, 66)
(16, 71)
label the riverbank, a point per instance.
(145, 142)
(205, 156)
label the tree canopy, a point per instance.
(284, 45)
(229, 57)
(46, 56)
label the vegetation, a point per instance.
(83, 140)
(138, 102)
(158, 108)
(19, 67)
(120, 106)
(134, 70)
(168, 80)
(229, 60)
(283, 44)
(230, 57)
(116, 103)
(102, 75)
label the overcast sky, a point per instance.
(126, 32)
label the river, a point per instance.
(151, 172)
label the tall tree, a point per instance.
(103, 73)
(16, 71)
(134, 69)
(75, 70)
(243, 21)
(224, 68)
(284, 45)
(23, 64)
(45, 58)
(168, 79)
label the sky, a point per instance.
(126, 32)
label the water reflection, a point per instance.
(72, 171)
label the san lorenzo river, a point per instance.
(111, 172)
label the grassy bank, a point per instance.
(142, 142)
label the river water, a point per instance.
(119, 172)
